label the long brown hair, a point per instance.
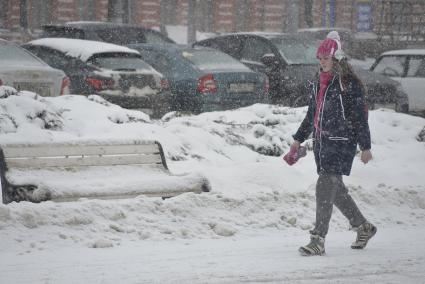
(346, 73)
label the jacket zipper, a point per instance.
(321, 120)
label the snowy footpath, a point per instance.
(394, 256)
(246, 230)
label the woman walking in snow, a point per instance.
(337, 116)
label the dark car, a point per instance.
(117, 33)
(114, 72)
(289, 60)
(205, 79)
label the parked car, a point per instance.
(406, 66)
(115, 72)
(289, 60)
(117, 33)
(23, 71)
(205, 79)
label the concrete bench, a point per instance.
(104, 170)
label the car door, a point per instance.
(414, 81)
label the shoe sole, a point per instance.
(362, 247)
(305, 252)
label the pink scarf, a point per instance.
(325, 78)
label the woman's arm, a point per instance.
(360, 117)
(306, 126)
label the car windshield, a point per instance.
(12, 53)
(119, 61)
(211, 60)
(297, 51)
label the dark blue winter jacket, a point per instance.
(343, 124)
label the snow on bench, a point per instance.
(104, 170)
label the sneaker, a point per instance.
(364, 233)
(315, 247)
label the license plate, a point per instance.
(42, 89)
(241, 87)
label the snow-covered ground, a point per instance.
(247, 229)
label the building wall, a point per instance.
(214, 15)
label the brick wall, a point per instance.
(268, 15)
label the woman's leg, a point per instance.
(326, 190)
(345, 203)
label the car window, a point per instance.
(416, 67)
(11, 52)
(393, 66)
(121, 36)
(68, 32)
(158, 61)
(119, 61)
(254, 49)
(229, 45)
(297, 50)
(52, 57)
(212, 60)
(152, 37)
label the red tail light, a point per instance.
(100, 83)
(206, 84)
(65, 86)
(266, 85)
(1, 82)
(165, 84)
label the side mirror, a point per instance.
(269, 59)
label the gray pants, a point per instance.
(331, 190)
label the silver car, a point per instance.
(24, 71)
(406, 66)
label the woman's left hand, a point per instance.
(366, 156)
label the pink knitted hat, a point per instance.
(331, 45)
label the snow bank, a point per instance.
(240, 153)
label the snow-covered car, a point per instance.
(114, 72)
(406, 66)
(24, 71)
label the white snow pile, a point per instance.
(240, 153)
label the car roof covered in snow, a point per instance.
(79, 48)
(98, 24)
(405, 52)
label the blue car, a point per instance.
(204, 79)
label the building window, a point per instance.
(364, 17)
